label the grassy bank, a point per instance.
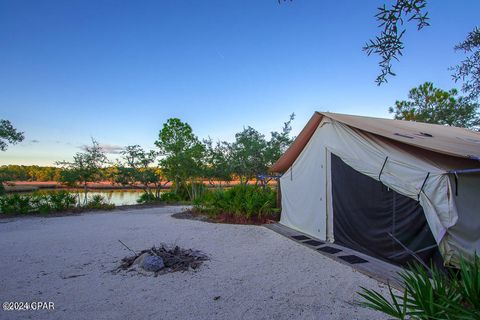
(46, 203)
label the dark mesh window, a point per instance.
(365, 212)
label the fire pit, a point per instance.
(162, 259)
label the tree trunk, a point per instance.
(85, 190)
(279, 194)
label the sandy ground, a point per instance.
(257, 273)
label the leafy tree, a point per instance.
(8, 134)
(182, 155)
(217, 164)
(432, 105)
(248, 154)
(389, 44)
(137, 168)
(469, 69)
(85, 167)
(279, 142)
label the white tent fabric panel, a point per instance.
(405, 173)
(303, 192)
(465, 233)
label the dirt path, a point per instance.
(253, 273)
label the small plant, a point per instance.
(171, 197)
(16, 203)
(243, 200)
(147, 197)
(99, 202)
(432, 294)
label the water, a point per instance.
(117, 197)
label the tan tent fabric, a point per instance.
(416, 170)
(453, 141)
(287, 159)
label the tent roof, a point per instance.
(452, 141)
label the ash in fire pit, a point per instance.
(163, 259)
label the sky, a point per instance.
(117, 70)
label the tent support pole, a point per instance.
(381, 170)
(423, 185)
(455, 176)
(279, 194)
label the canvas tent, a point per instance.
(384, 186)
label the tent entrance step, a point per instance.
(314, 243)
(301, 238)
(352, 259)
(328, 249)
(378, 269)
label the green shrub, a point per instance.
(147, 198)
(171, 197)
(41, 202)
(16, 203)
(99, 202)
(432, 294)
(189, 191)
(61, 200)
(250, 201)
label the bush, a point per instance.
(147, 198)
(47, 203)
(189, 191)
(99, 202)
(165, 197)
(16, 203)
(246, 200)
(432, 294)
(171, 197)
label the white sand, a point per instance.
(257, 273)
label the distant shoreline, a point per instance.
(29, 186)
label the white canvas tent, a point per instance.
(437, 166)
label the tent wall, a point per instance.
(414, 175)
(465, 233)
(303, 191)
(368, 214)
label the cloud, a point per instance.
(107, 148)
(111, 148)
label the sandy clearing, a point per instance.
(257, 273)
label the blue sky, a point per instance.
(116, 70)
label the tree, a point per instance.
(137, 168)
(248, 154)
(389, 44)
(217, 164)
(432, 105)
(85, 167)
(182, 155)
(279, 142)
(468, 70)
(8, 134)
